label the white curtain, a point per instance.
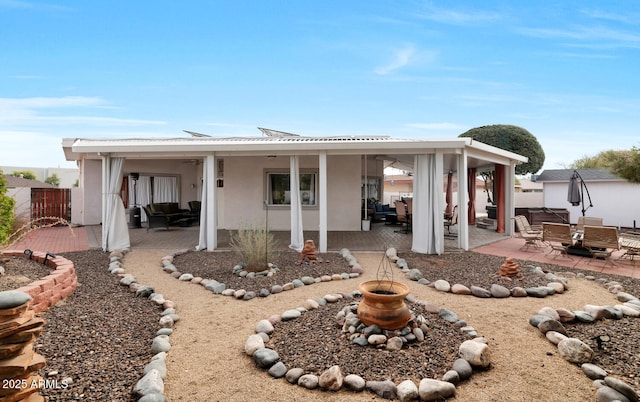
(208, 173)
(115, 234)
(143, 194)
(297, 235)
(428, 237)
(165, 189)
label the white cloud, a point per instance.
(25, 112)
(402, 58)
(454, 17)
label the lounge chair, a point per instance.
(558, 237)
(601, 241)
(525, 231)
(587, 220)
(155, 219)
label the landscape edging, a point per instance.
(50, 289)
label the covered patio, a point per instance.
(239, 181)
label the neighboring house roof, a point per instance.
(20, 182)
(526, 184)
(586, 174)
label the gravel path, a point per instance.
(207, 362)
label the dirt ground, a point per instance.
(207, 361)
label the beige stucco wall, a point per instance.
(245, 192)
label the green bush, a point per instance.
(6, 211)
(257, 247)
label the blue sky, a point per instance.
(567, 71)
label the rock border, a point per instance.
(150, 387)
(473, 353)
(549, 322)
(50, 289)
(242, 294)
(556, 283)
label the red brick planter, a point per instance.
(49, 290)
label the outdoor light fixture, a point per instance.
(29, 253)
(44, 262)
(134, 177)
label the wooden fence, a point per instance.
(51, 202)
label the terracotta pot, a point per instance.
(383, 304)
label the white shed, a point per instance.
(614, 199)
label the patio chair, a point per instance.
(452, 221)
(531, 237)
(587, 220)
(601, 241)
(155, 219)
(401, 216)
(558, 237)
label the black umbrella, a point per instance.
(573, 195)
(576, 191)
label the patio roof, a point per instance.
(279, 143)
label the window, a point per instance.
(280, 194)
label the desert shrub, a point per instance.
(256, 246)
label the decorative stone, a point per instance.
(160, 344)
(290, 315)
(448, 315)
(555, 337)
(13, 298)
(622, 387)
(552, 325)
(150, 383)
(451, 376)
(354, 382)
(608, 394)
(575, 351)
(278, 370)
(593, 372)
(537, 292)
(393, 344)
(459, 289)
(477, 291)
(518, 292)
(435, 390)
(499, 291)
(309, 381)
(442, 285)
(476, 353)
(309, 253)
(294, 375)
(407, 391)
(265, 357)
(331, 379)
(550, 312)
(463, 368)
(253, 343)
(510, 269)
(384, 389)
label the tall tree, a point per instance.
(623, 163)
(54, 180)
(510, 138)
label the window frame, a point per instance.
(268, 174)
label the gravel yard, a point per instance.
(100, 336)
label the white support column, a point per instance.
(463, 202)
(322, 200)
